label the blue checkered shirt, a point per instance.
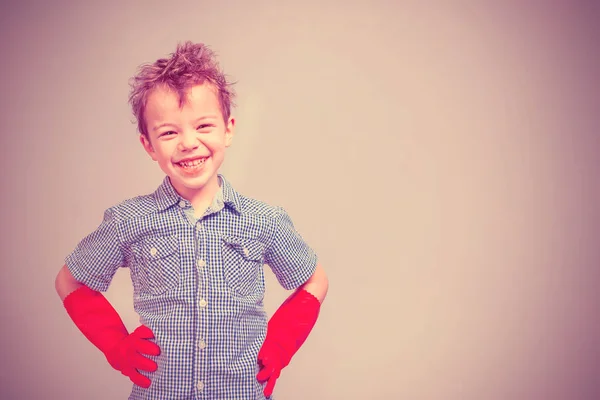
(198, 284)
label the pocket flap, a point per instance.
(157, 247)
(250, 249)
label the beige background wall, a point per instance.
(442, 159)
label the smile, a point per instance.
(192, 163)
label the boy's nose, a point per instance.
(188, 142)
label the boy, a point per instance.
(195, 249)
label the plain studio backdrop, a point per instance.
(441, 159)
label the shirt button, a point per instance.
(202, 344)
(246, 252)
(182, 204)
(201, 263)
(153, 251)
(203, 303)
(200, 385)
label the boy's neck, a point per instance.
(201, 199)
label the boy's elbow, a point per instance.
(321, 277)
(65, 283)
(318, 284)
(58, 280)
(324, 284)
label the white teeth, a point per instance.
(194, 163)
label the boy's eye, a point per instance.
(204, 126)
(167, 133)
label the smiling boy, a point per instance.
(195, 249)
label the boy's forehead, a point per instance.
(164, 102)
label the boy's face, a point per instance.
(188, 142)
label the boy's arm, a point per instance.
(65, 283)
(290, 326)
(296, 266)
(102, 326)
(317, 284)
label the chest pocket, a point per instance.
(157, 264)
(243, 267)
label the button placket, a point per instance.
(200, 262)
(201, 335)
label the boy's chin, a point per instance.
(192, 183)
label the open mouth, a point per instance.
(192, 165)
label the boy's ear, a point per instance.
(229, 131)
(147, 146)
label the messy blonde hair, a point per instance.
(191, 64)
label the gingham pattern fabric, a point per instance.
(198, 284)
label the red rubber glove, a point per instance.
(287, 330)
(101, 324)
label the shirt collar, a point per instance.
(166, 196)
(230, 196)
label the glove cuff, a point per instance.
(292, 323)
(96, 319)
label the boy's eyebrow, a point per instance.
(205, 117)
(157, 127)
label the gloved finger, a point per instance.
(265, 373)
(264, 357)
(142, 363)
(270, 385)
(267, 349)
(145, 346)
(139, 379)
(143, 332)
(262, 353)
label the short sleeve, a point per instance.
(98, 256)
(292, 261)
